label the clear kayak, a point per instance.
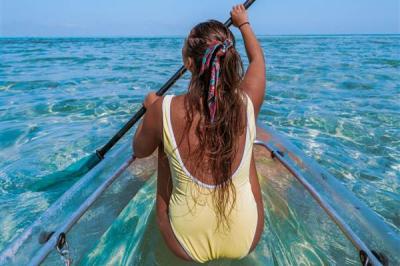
(107, 217)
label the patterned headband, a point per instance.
(211, 59)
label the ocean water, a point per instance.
(336, 97)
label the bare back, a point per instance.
(187, 143)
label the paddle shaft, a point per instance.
(101, 152)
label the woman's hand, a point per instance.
(150, 99)
(239, 15)
(148, 135)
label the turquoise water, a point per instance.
(337, 97)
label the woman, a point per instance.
(208, 197)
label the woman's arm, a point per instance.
(149, 133)
(254, 80)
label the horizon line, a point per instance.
(183, 36)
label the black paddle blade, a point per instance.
(67, 175)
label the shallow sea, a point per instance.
(336, 97)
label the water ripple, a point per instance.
(337, 97)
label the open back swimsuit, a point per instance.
(191, 211)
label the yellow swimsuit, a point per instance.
(191, 210)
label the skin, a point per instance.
(148, 136)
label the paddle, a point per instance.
(84, 165)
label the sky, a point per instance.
(90, 18)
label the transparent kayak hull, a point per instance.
(108, 217)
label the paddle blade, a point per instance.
(67, 175)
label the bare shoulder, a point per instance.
(178, 104)
(179, 99)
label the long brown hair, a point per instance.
(218, 140)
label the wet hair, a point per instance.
(218, 139)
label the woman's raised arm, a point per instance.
(254, 80)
